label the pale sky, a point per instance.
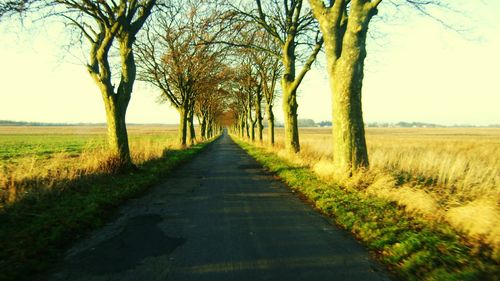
(419, 71)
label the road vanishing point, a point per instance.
(219, 217)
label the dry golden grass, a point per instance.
(31, 169)
(448, 175)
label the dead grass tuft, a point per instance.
(479, 219)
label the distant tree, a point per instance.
(172, 59)
(258, 110)
(404, 124)
(249, 40)
(293, 29)
(245, 87)
(250, 94)
(269, 69)
(325, 123)
(212, 100)
(252, 86)
(240, 102)
(306, 123)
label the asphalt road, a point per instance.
(219, 217)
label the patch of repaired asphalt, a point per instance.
(122, 252)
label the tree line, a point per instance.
(225, 62)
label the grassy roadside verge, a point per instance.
(411, 247)
(35, 230)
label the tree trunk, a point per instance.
(349, 145)
(205, 120)
(290, 105)
(242, 125)
(258, 113)
(117, 131)
(210, 127)
(183, 126)
(291, 124)
(270, 124)
(203, 126)
(247, 126)
(116, 105)
(192, 132)
(250, 120)
(112, 27)
(252, 131)
(346, 51)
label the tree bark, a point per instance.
(192, 132)
(270, 124)
(247, 124)
(203, 127)
(290, 105)
(121, 25)
(287, 28)
(117, 130)
(344, 31)
(252, 129)
(183, 116)
(210, 127)
(258, 114)
(116, 104)
(242, 124)
(349, 145)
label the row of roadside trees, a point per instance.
(294, 32)
(221, 61)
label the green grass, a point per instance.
(14, 146)
(410, 247)
(36, 229)
(43, 146)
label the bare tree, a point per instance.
(212, 99)
(173, 61)
(239, 104)
(103, 25)
(252, 90)
(344, 25)
(119, 22)
(269, 69)
(294, 30)
(344, 31)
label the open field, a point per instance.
(41, 142)
(18, 142)
(460, 161)
(56, 187)
(447, 175)
(43, 157)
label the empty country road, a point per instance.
(219, 217)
